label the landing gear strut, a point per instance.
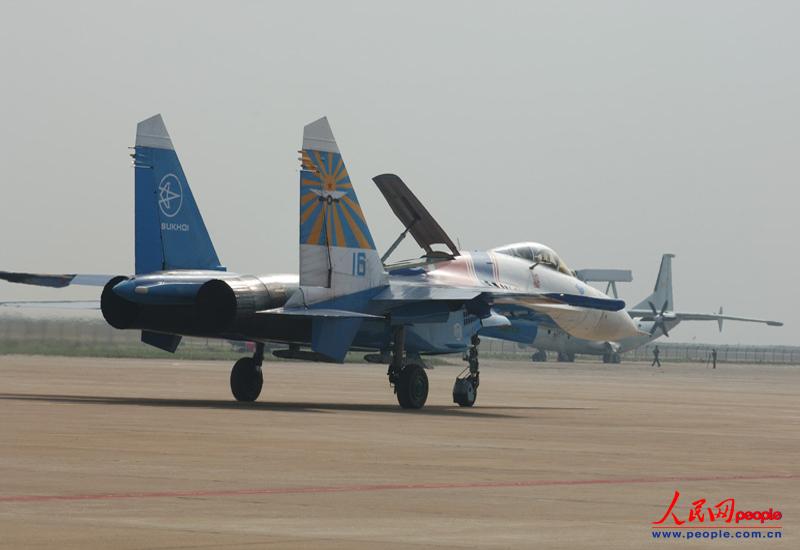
(406, 376)
(539, 357)
(465, 389)
(246, 376)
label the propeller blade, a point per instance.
(664, 307)
(653, 307)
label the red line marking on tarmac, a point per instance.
(380, 487)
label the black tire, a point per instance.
(464, 392)
(412, 387)
(246, 380)
(539, 357)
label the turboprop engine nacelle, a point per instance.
(188, 305)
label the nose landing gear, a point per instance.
(246, 376)
(465, 389)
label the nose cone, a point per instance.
(624, 326)
(615, 326)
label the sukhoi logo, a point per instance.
(170, 195)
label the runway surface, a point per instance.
(100, 453)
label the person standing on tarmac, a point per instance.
(656, 360)
(714, 357)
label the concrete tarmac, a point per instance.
(123, 454)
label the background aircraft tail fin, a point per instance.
(336, 246)
(662, 292)
(170, 233)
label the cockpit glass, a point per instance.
(537, 253)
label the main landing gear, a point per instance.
(246, 376)
(465, 390)
(407, 376)
(539, 357)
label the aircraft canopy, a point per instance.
(535, 253)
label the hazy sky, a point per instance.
(612, 131)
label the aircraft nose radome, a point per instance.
(626, 325)
(618, 325)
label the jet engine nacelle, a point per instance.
(117, 311)
(224, 304)
(189, 307)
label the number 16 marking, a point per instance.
(359, 264)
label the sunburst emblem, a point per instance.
(170, 195)
(329, 211)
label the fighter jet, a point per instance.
(344, 298)
(655, 316)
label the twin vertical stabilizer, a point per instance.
(336, 246)
(170, 233)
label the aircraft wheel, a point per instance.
(246, 380)
(539, 357)
(566, 357)
(412, 387)
(616, 358)
(464, 392)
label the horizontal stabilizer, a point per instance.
(320, 312)
(54, 280)
(54, 304)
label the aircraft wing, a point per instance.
(54, 304)
(647, 314)
(413, 215)
(54, 280)
(721, 317)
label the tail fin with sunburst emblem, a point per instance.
(336, 246)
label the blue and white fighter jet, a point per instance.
(344, 298)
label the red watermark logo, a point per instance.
(724, 512)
